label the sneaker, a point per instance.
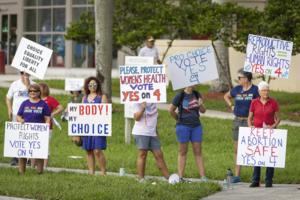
(254, 184)
(182, 180)
(203, 179)
(235, 179)
(268, 185)
(14, 162)
(142, 180)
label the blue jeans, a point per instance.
(269, 174)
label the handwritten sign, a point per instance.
(139, 60)
(32, 58)
(268, 56)
(143, 84)
(28, 140)
(192, 67)
(89, 119)
(262, 147)
(74, 84)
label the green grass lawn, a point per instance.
(217, 148)
(79, 186)
(289, 102)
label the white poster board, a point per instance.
(28, 140)
(32, 58)
(143, 84)
(192, 67)
(74, 84)
(89, 119)
(268, 56)
(262, 147)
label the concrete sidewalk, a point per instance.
(239, 191)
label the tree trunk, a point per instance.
(103, 43)
(223, 84)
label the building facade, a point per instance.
(45, 22)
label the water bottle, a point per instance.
(229, 176)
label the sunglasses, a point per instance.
(92, 85)
(35, 91)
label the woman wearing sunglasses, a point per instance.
(33, 110)
(242, 94)
(94, 145)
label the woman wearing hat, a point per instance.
(242, 94)
(263, 113)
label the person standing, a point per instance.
(55, 108)
(150, 50)
(264, 113)
(33, 110)
(242, 94)
(17, 93)
(94, 145)
(188, 127)
(146, 138)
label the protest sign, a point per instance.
(139, 60)
(261, 147)
(143, 84)
(89, 119)
(268, 56)
(192, 67)
(74, 84)
(32, 58)
(28, 140)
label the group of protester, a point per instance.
(30, 103)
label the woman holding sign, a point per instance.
(94, 145)
(33, 110)
(188, 127)
(263, 113)
(242, 95)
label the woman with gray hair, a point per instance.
(263, 113)
(242, 95)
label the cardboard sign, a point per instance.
(139, 60)
(262, 147)
(32, 58)
(268, 56)
(89, 119)
(74, 84)
(192, 67)
(28, 140)
(143, 84)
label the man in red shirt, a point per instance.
(263, 113)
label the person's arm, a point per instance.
(104, 99)
(202, 108)
(227, 98)
(9, 108)
(57, 111)
(250, 118)
(47, 119)
(20, 119)
(276, 119)
(138, 115)
(172, 111)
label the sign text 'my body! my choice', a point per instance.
(89, 119)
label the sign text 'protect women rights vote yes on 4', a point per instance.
(192, 67)
(89, 119)
(262, 147)
(268, 56)
(27, 140)
(143, 84)
(32, 58)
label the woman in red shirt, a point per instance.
(55, 108)
(263, 113)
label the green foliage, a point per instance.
(83, 30)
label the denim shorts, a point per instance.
(237, 123)
(185, 133)
(147, 142)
